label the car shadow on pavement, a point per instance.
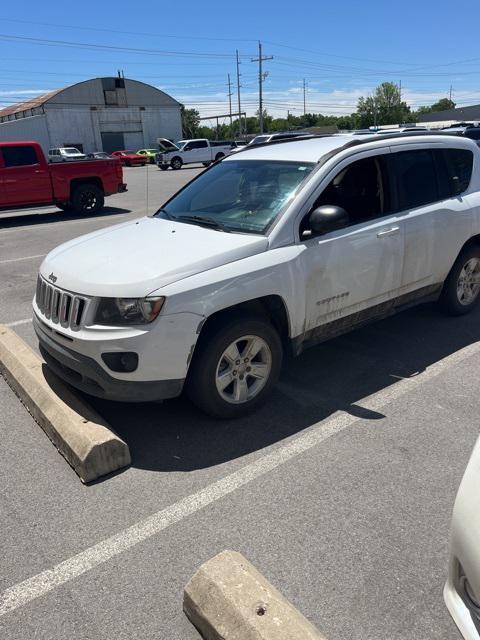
(39, 217)
(337, 375)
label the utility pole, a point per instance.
(239, 106)
(304, 98)
(261, 78)
(450, 94)
(288, 119)
(230, 103)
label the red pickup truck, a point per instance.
(27, 180)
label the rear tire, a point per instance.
(461, 289)
(176, 163)
(206, 164)
(88, 198)
(235, 366)
(163, 167)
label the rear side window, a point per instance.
(459, 165)
(19, 156)
(415, 177)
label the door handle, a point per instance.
(388, 232)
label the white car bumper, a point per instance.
(164, 351)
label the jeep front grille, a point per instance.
(61, 307)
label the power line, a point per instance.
(132, 33)
(83, 45)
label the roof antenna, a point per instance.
(118, 72)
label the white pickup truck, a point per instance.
(192, 151)
(276, 248)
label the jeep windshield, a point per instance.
(239, 195)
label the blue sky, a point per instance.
(342, 50)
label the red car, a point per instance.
(130, 158)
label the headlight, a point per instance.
(128, 311)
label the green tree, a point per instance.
(385, 106)
(441, 105)
(190, 122)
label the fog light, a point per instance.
(121, 362)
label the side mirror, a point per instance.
(328, 218)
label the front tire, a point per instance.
(176, 163)
(235, 367)
(87, 199)
(219, 156)
(461, 290)
(163, 167)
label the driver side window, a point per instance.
(360, 189)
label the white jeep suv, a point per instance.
(275, 248)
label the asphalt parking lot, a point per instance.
(339, 490)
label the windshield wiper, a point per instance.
(169, 216)
(206, 222)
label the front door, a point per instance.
(354, 272)
(25, 180)
(196, 151)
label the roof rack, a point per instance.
(293, 138)
(375, 137)
(351, 143)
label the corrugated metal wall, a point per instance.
(79, 113)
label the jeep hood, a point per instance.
(134, 259)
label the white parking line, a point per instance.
(44, 582)
(16, 323)
(40, 255)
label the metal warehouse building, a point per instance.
(106, 114)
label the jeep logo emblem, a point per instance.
(52, 277)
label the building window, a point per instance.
(111, 97)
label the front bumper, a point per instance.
(87, 375)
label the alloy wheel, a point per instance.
(468, 283)
(243, 369)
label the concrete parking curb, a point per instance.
(79, 433)
(228, 599)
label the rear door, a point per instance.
(25, 178)
(427, 185)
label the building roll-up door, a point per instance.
(112, 141)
